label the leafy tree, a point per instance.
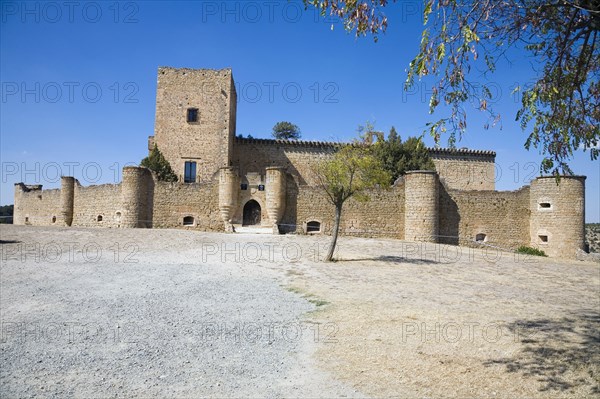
(349, 173)
(157, 163)
(286, 131)
(399, 157)
(560, 111)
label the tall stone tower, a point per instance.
(195, 120)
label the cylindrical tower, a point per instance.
(557, 222)
(421, 206)
(67, 199)
(228, 190)
(275, 191)
(135, 197)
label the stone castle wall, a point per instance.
(501, 216)
(456, 204)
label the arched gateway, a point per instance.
(251, 215)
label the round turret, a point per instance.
(557, 222)
(421, 206)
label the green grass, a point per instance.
(523, 249)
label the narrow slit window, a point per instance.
(192, 115)
(545, 205)
(53, 219)
(190, 172)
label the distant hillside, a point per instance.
(592, 236)
(6, 214)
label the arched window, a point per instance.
(313, 227)
(118, 216)
(480, 237)
(188, 221)
(99, 218)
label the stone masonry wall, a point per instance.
(174, 201)
(465, 172)
(93, 201)
(36, 207)
(381, 216)
(256, 155)
(503, 216)
(207, 141)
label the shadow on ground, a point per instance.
(394, 259)
(563, 354)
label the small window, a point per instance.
(543, 238)
(192, 115)
(190, 172)
(313, 227)
(244, 186)
(118, 216)
(26, 219)
(188, 221)
(53, 219)
(99, 218)
(480, 237)
(545, 205)
(261, 187)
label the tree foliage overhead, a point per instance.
(286, 131)
(157, 163)
(560, 111)
(349, 174)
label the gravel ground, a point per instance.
(183, 313)
(105, 313)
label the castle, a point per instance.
(227, 182)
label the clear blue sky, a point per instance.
(79, 83)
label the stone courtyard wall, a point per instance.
(36, 206)
(93, 201)
(503, 216)
(174, 201)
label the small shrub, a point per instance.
(524, 249)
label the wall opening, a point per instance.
(313, 227)
(480, 237)
(26, 219)
(192, 115)
(118, 216)
(545, 205)
(53, 219)
(99, 218)
(189, 172)
(543, 238)
(188, 221)
(251, 214)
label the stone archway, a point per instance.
(251, 214)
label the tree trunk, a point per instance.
(334, 236)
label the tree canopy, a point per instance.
(349, 174)
(286, 131)
(560, 111)
(157, 163)
(399, 157)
